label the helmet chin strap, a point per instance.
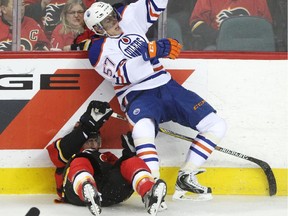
(114, 36)
(105, 33)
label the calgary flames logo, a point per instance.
(7, 45)
(52, 16)
(227, 13)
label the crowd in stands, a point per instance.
(58, 24)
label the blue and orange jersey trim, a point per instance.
(153, 12)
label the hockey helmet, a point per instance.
(97, 13)
(94, 140)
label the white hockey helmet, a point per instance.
(94, 15)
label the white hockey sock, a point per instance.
(80, 179)
(146, 150)
(200, 149)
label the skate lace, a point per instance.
(88, 188)
(194, 181)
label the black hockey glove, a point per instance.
(96, 115)
(128, 146)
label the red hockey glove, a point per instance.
(166, 47)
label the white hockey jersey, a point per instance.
(119, 60)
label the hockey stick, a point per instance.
(264, 166)
(34, 211)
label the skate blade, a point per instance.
(97, 209)
(181, 195)
(160, 193)
(163, 206)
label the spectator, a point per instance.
(71, 26)
(208, 15)
(32, 35)
(48, 12)
(85, 175)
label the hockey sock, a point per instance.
(146, 150)
(142, 182)
(78, 183)
(200, 150)
(144, 141)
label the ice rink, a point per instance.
(18, 205)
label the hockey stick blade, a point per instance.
(264, 166)
(34, 211)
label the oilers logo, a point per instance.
(130, 45)
(136, 111)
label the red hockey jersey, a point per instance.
(214, 12)
(32, 36)
(59, 40)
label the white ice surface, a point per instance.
(18, 205)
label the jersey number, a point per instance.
(107, 65)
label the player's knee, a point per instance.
(144, 128)
(130, 167)
(79, 165)
(214, 125)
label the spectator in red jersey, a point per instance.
(48, 12)
(208, 15)
(32, 35)
(86, 175)
(72, 25)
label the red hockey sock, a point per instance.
(144, 186)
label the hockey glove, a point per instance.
(128, 146)
(96, 115)
(166, 47)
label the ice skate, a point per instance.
(92, 198)
(187, 182)
(153, 198)
(163, 206)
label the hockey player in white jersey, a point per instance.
(146, 91)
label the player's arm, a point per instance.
(62, 149)
(145, 13)
(91, 121)
(129, 149)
